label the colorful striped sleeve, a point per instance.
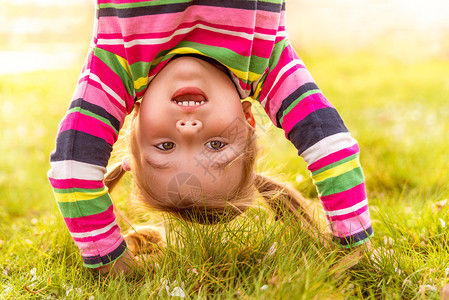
(83, 147)
(132, 42)
(294, 103)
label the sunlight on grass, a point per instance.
(398, 112)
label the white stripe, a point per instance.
(85, 73)
(157, 41)
(107, 89)
(327, 146)
(279, 75)
(70, 169)
(348, 210)
(93, 232)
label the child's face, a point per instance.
(189, 127)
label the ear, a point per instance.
(126, 164)
(246, 105)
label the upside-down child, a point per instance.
(183, 67)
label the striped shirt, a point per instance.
(132, 42)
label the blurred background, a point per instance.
(383, 63)
(46, 34)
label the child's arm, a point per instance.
(294, 103)
(83, 147)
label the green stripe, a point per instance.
(358, 243)
(93, 266)
(110, 59)
(91, 114)
(335, 164)
(294, 103)
(340, 183)
(239, 62)
(86, 207)
(78, 190)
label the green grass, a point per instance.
(397, 110)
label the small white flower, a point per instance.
(388, 241)
(407, 282)
(272, 249)
(6, 290)
(192, 270)
(446, 272)
(33, 273)
(178, 292)
(91, 298)
(264, 287)
(397, 270)
(426, 288)
(443, 224)
(299, 178)
(34, 221)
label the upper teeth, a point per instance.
(189, 103)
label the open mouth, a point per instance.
(189, 96)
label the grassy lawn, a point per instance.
(399, 113)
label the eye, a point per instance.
(165, 146)
(215, 145)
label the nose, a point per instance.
(189, 126)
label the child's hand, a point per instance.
(351, 258)
(124, 265)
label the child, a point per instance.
(192, 62)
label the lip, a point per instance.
(190, 90)
(195, 92)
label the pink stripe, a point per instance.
(167, 22)
(349, 215)
(277, 92)
(93, 93)
(186, 25)
(97, 237)
(306, 106)
(285, 87)
(90, 125)
(354, 225)
(241, 46)
(101, 247)
(116, 49)
(286, 57)
(113, 81)
(334, 157)
(119, 1)
(344, 199)
(92, 222)
(75, 183)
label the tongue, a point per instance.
(189, 97)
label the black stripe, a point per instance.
(82, 147)
(98, 110)
(316, 126)
(350, 240)
(93, 260)
(179, 7)
(292, 98)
